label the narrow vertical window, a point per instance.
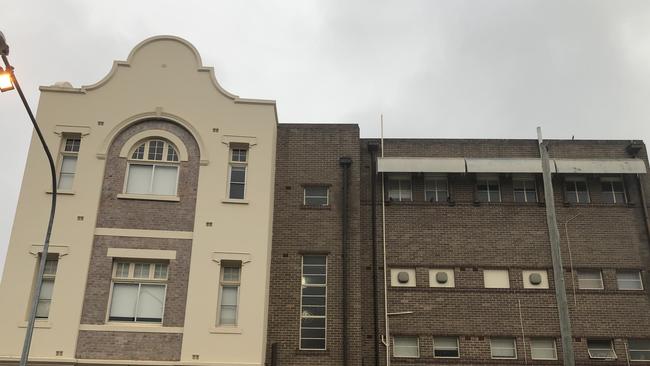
(575, 190)
(436, 188)
(524, 189)
(487, 189)
(613, 190)
(399, 187)
(47, 289)
(68, 167)
(237, 174)
(229, 293)
(313, 303)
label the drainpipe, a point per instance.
(274, 354)
(345, 163)
(373, 147)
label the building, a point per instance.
(193, 229)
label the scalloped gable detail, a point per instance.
(117, 64)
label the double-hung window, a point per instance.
(503, 348)
(316, 196)
(399, 187)
(601, 349)
(639, 349)
(436, 188)
(229, 293)
(47, 289)
(524, 189)
(487, 188)
(313, 303)
(576, 190)
(613, 190)
(68, 167)
(153, 169)
(404, 346)
(543, 349)
(138, 292)
(590, 279)
(445, 347)
(629, 280)
(237, 173)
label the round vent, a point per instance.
(535, 278)
(403, 277)
(441, 277)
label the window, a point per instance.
(493, 278)
(445, 347)
(316, 196)
(138, 292)
(543, 349)
(590, 279)
(47, 289)
(406, 346)
(153, 169)
(524, 189)
(601, 348)
(402, 277)
(575, 190)
(629, 280)
(535, 279)
(639, 349)
(313, 302)
(613, 190)
(230, 280)
(441, 278)
(399, 187)
(436, 188)
(503, 348)
(68, 168)
(237, 174)
(487, 189)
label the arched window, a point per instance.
(153, 169)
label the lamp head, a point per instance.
(4, 47)
(6, 80)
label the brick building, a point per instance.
(193, 229)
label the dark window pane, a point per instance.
(531, 196)
(314, 291)
(312, 344)
(313, 280)
(316, 201)
(314, 269)
(316, 300)
(238, 175)
(313, 322)
(445, 353)
(583, 197)
(313, 333)
(314, 259)
(520, 196)
(608, 197)
(313, 311)
(316, 191)
(236, 191)
(620, 197)
(482, 196)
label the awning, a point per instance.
(505, 166)
(421, 165)
(612, 166)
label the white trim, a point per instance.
(137, 327)
(70, 129)
(228, 139)
(139, 233)
(141, 253)
(302, 286)
(147, 197)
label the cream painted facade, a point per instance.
(163, 78)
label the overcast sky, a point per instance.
(494, 69)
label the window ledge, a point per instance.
(63, 192)
(235, 201)
(314, 207)
(148, 197)
(42, 323)
(124, 327)
(225, 330)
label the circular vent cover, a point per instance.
(535, 278)
(441, 277)
(403, 277)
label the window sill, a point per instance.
(124, 327)
(39, 323)
(226, 330)
(235, 201)
(62, 192)
(148, 197)
(314, 207)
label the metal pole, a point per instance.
(46, 243)
(556, 254)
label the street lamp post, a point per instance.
(8, 82)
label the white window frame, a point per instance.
(531, 343)
(417, 346)
(65, 153)
(640, 280)
(574, 181)
(225, 283)
(525, 190)
(445, 348)
(131, 279)
(435, 190)
(400, 178)
(305, 195)
(630, 349)
(595, 357)
(514, 348)
(47, 276)
(583, 271)
(302, 267)
(486, 179)
(153, 164)
(611, 190)
(237, 164)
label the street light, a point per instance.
(8, 82)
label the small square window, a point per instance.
(639, 349)
(487, 188)
(316, 196)
(436, 188)
(406, 347)
(503, 348)
(629, 280)
(590, 279)
(399, 187)
(445, 347)
(575, 190)
(524, 189)
(543, 349)
(239, 155)
(496, 278)
(601, 349)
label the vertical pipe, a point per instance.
(372, 148)
(556, 254)
(385, 273)
(345, 165)
(274, 354)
